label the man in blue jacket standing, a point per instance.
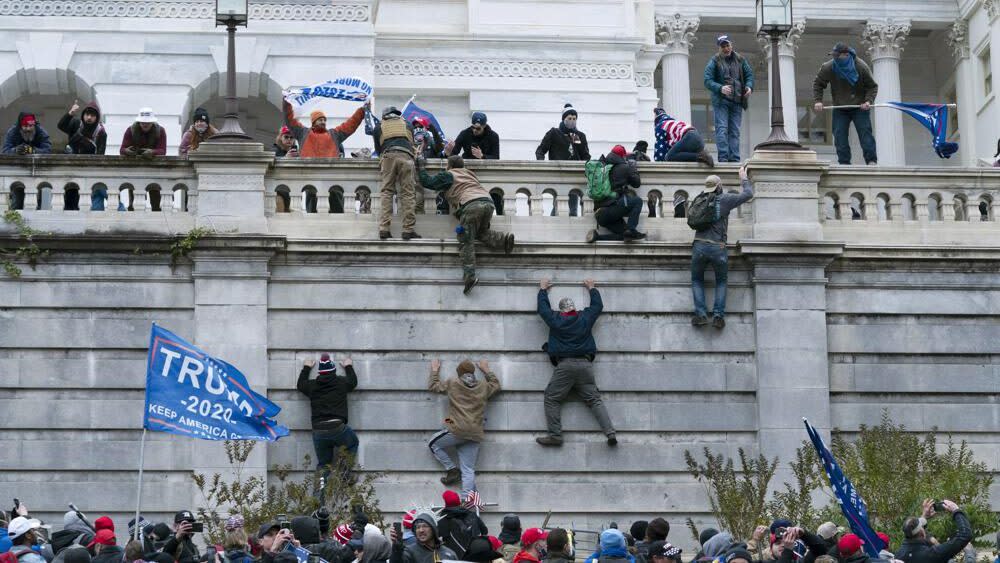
(729, 78)
(571, 349)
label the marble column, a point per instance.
(676, 33)
(787, 45)
(885, 39)
(992, 8)
(958, 40)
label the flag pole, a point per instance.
(408, 102)
(138, 493)
(876, 106)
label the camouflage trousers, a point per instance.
(475, 220)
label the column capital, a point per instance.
(676, 32)
(958, 39)
(885, 38)
(787, 43)
(992, 8)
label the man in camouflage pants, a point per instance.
(475, 210)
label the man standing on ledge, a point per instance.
(565, 142)
(851, 84)
(394, 143)
(571, 349)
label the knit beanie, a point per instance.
(706, 534)
(316, 115)
(739, 553)
(76, 555)
(326, 365)
(408, 519)
(466, 367)
(343, 534)
(612, 539)
(568, 110)
(619, 150)
(566, 305)
(200, 114)
(104, 523)
(451, 498)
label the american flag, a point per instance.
(473, 501)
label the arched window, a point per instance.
(98, 197)
(363, 200)
(831, 207)
(180, 192)
(153, 197)
(282, 199)
(549, 205)
(934, 207)
(858, 207)
(986, 208)
(71, 197)
(575, 203)
(522, 203)
(309, 199)
(960, 204)
(496, 194)
(44, 197)
(125, 199)
(883, 208)
(16, 196)
(908, 204)
(336, 199)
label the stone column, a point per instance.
(885, 41)
(992, 8)
(231, 186)
(676, 33)
(787, 46)
(958, 40)
(645, 67)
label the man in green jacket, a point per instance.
(475, 208)
(851, 83)
(729, 78)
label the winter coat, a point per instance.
(155, 138)
(558, 146)
(378, 549)
(624, 176)
(13, 139)
(510, 551)
(327, 394)
(524, 557)
(719, 230)
(456, 520)
(459, 185)
(558, 558)
(25, 554)
(313, 144)
(842, 92)
(419, 553)
(919, 550)
(466, 406)
(570, 335)
(66, 538)
(717, 75)
(488, 142)
(109, 554)
(183, 551)
(83, 139)
(192, 138)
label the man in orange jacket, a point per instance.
(316, 141)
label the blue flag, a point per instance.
(412, 111)
(346, 88)
(935, 118)
(851, 503)
(193, 394)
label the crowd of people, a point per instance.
(456, 532)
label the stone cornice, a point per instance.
(958, 39)
(677, 32)
(885, 38)
(502, 69)
(347, 12)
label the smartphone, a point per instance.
(398, 528)
(197, 527)
(283, 522)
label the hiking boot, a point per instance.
(384, 235)
(634, 235)
(549, 440)
(699, 320)
(508, 243)
(408, 236)
(612, 440)
(592, 235)
(453, 476)
(718, 322)
(705, 158)
(470, 282)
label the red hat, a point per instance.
(343, 534)
(408, 519)
(885, 539)
(285, 131)
(104, 523)
(495, 542)
(849, 545)
(451, 499)
(619, 150)
(27, 119)
(103, 537)
(531, 535)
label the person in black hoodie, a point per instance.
(565, 142)
(619, 213)
(328, 400)
(510, 536)
(181, 545)
(306, 531)
(478, 140)
(86, 134)
(458, 525)
(917, 548)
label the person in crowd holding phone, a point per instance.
(181, 546)
(285, 144)
(427, 549)
(917, 546)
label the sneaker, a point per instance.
(408, 236)
(705, 158)
(470, 282)
(699, 320)
(508, 243)
(549, 441)
(634, 235)
(453, 476)
(384, 235)
(612, 440)
(718, 322)
(591, 235)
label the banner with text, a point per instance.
(193, 394)
(346, 88)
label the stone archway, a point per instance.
(259, 104)
(48, 94)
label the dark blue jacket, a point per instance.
(13, 139)
(570, 335)
(715, 78)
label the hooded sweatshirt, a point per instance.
(13, 139)
(327, 394)
(718, 544)
(306, 530)
(466, 405)
(378, 549)
(83, 138)
(419, 553)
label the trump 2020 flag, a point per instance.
(193, 394)
(346, 88)
(935, 118)
(851, 503)
(412, 111)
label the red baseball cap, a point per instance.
(103, 537)
(619, 150)
(532, 535)
(451, 498)
(104, 523)
(849, 545)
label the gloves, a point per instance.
(146, 153)
(25, 149)
(131, 151)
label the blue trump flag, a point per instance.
(193, 394)
(851, 503)
(935, 118)
(412, 111)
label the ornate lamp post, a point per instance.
(774, 17)
(231, 13)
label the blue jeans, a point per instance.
(97, 198)
(329, 442)
(728, 117)
(703, 254)
(842, 119)
(687, 149)
(610, 217)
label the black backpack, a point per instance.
(462, 533)
(704, 211)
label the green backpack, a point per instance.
(598, 179)
(704, 211)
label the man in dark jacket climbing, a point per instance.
(427, 549)
(26, 136)
(86, 134)
(458, 525)
(917, 547)
(564, 142)
(328, 402)
(571, 349)
(619, 213)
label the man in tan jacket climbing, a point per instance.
(463, 426)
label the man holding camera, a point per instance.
(917, 546)
(181, 546)
(729, 78)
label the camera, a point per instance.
(197, 527)
(283, 522)
(938, 506)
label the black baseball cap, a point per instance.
(267, 527)
(184, 516)
(840, 48)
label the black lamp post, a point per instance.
(774, 17)
(231, 13)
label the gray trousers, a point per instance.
(468, 453)
(570, 374)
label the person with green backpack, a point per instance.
(612, 182)
(708, 215)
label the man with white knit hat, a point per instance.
(564, 142)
